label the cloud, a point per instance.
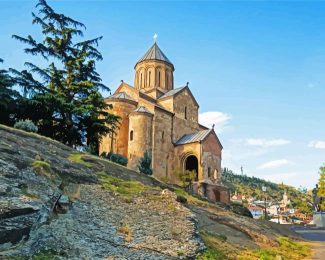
(220, 120)
(274, 164)
(266, 142)
(317, 144)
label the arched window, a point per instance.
(149, 80)
(185, 112)
(163, 136)
(131, 135)
(158, 78)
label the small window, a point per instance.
(149, 78)
(185, 113)
(131, 135)
(141, 86)
(209, 172)
(158, 78)
(163, 136)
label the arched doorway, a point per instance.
(191, 163)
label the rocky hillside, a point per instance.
(56, 202)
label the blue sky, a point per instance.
(257, 69)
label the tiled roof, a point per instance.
(155, 53)
(172, 92)
(142, 109)
(121, 95)
(193, 137)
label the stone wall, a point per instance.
(162, 144)
(121, 108)
(141, 125)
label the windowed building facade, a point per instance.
(163, 120)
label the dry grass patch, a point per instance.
(127, 233)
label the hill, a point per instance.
(58, 203)
(251, 187)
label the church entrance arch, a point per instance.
(191, 163)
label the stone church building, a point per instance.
(163, 120)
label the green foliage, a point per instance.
(185, 176)
(144, 165)
(128, 189)
(8, 98)
(78, 158)
(42, 168)
(117, 158)
(26, 125)
(321, 185)
(63, 98)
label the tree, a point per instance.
(321, 185)
(64, 98)
(144, 165)
(8, 98)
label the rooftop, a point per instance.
(193, 137)
(155, 53)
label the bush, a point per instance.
(115, 157)
(144, 165)
(26, 125)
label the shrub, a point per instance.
(144, 165)
(186, 177)
(115, 157)
(26, 125)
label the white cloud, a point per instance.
(266, 142)
(317, 144)
(274, 164)
(220, 120)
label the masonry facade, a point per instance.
(163, 120)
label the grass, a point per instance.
(78, 158)
(191, 199)
(213, 244)
(128, 189)
(42, 168)
(287, 249)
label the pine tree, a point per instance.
(64, 98)
(8, 98)
(144, 165)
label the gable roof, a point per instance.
(121, 95)
(197, 137)
(155, 53)
(142, 109)
(193, 137)
(172, 92)
(176, 91)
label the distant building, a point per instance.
(237, 198)
(256, 211)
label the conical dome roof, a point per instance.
(155, 53)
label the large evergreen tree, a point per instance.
(321, 184)
(8, 98)
(64, 98)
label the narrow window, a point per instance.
(141, 81)
(167, 81)
(163, 136)
(131, 135)
(149, 78)
(209, 172)
(158, 78)
(185, 113)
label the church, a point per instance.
(163, 120)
